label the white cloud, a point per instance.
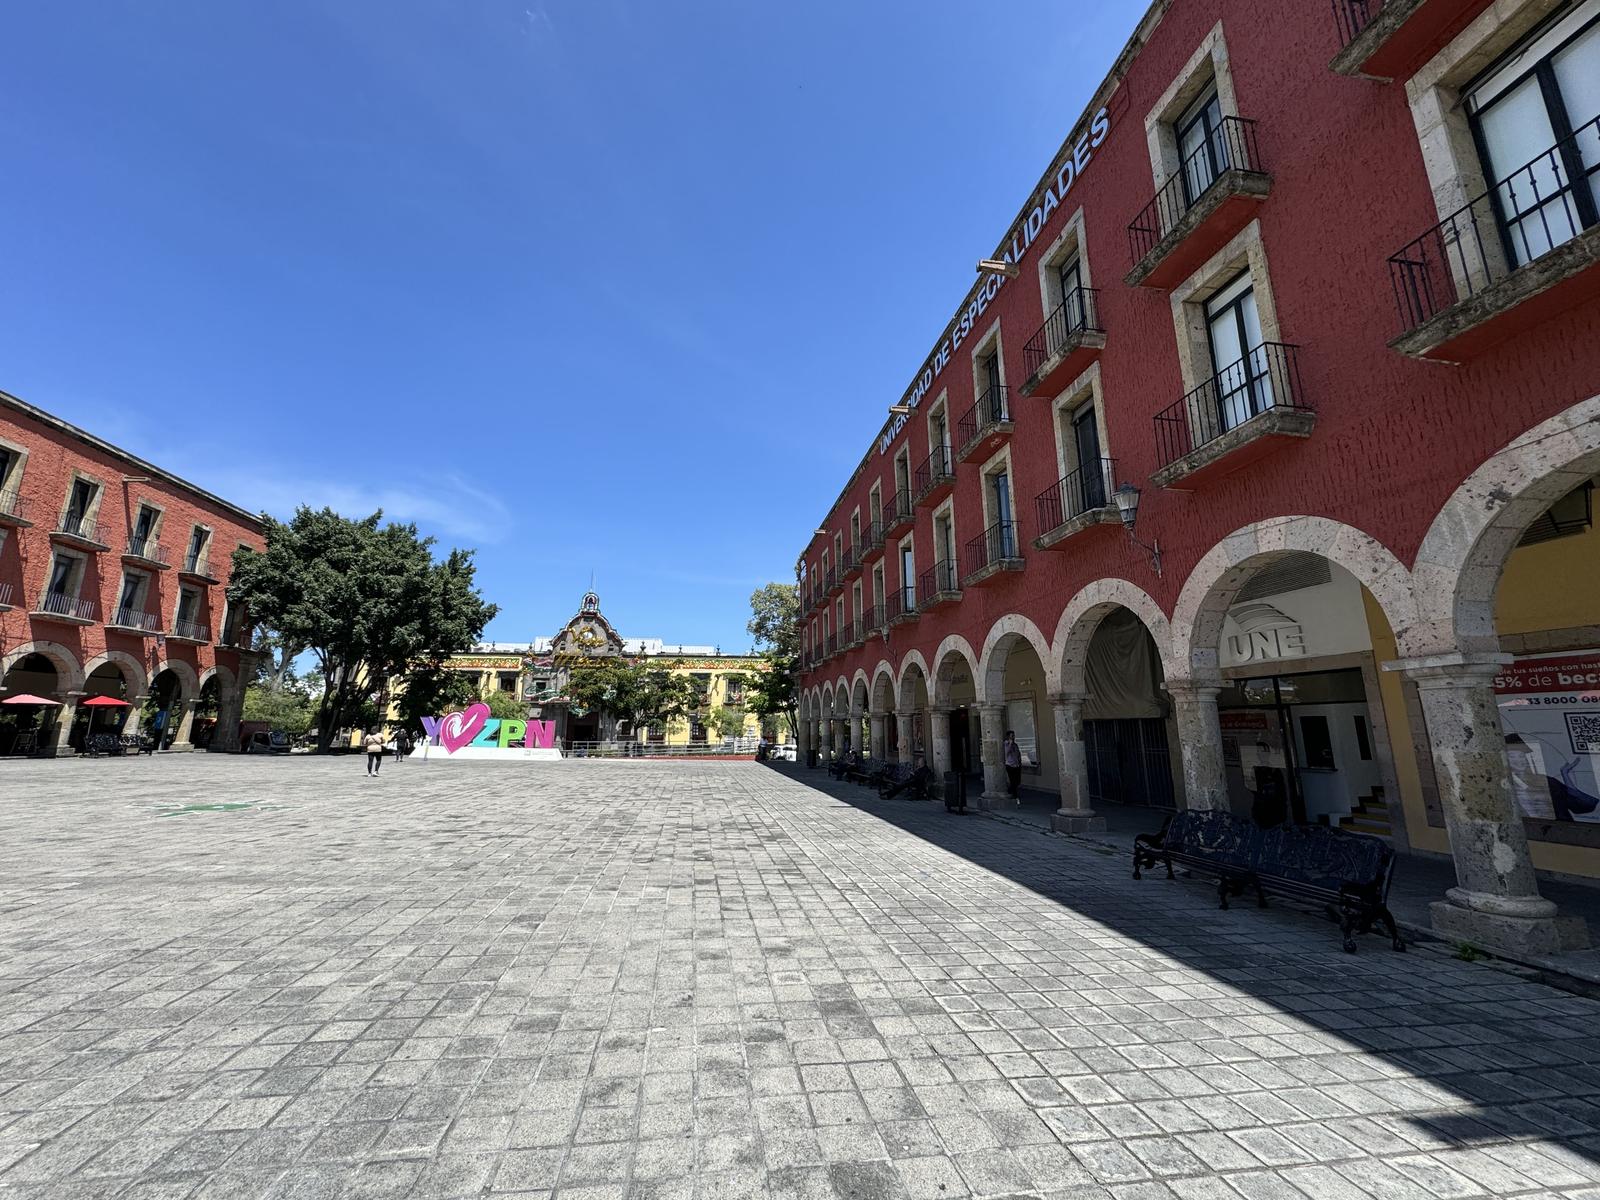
(451, 507)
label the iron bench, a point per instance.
(1347, 874)
(903, 777)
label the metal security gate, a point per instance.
(1129, 762)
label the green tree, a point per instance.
(287, 708)
(508, 706)
(431, 691)
(609, 685)
(368, 600)
(775, 626)
(725, 722)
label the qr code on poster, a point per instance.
(1584, 730)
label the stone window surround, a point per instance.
(1209, 63)
(1449, 152)
(940, 407)
(996, 462)
(875, 503)
(1245, 251)
(947, 509)
(92, 514)
(856, 592)
(142, 596)
(79, 570)
(855, 530)
(838, 551)
(879, 584)
(1085, 389)
(12, 479)
(902, 456)
(907, 542)
(140, 502)
(1072, 240)
(984, 345)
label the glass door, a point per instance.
(1071, 278)
(1005, 540)
(1238, 360)
(1201, 146)
(1091, 477)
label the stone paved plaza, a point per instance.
(606, 980)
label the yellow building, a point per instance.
(537, 673)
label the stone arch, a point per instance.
(1005, 635)
(883, 692)
(1459, 564)
(69, 674)
(954, 650)
(1082, 616)
(133, 672)
(905, 687)
(860, 694)
(188, 681)
(1222, 570)
(825, 701)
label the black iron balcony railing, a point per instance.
(850, 560)
(1530, 212)
(1084, 490)
(145, 547)
(854, 633)
(874, 537)
(79, 525)
(196, 564)
(833, 644)
(60, 604)
(1076, 314)
(937, 580)
(136, 618)
(13, 506)
(934, 470)
(832, 580)
(996, 544)
(902, 508)
(1266, 378)
(1230, 146)
(1352, 16)
(993, 408)
(902, 602)
(872, 619)
(5, 595)
(193, 631)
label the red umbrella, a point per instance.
(27, 698)
(104, 702)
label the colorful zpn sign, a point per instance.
(473, 730)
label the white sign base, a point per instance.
(485, 754)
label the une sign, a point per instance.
(474, 728)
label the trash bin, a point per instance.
(955, 792)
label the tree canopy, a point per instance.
(635, 692)
(775, 626)
(368, 600)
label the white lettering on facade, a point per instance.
(1017, 246)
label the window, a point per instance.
(1536, 118)
(1202, 148)
(80, 502)
(188, 605)
(9, 459)
(1238, 361)
(838, 615)
(198, 542)
(877, 584)
(128, 603)
(902, 482)
(230, 623)
(65, 573)
(1002, 543)
(855, 529)
(508, 681)
(1069, 278)
(908, 573)
(142, 540)
(875, 506)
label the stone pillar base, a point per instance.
(1516, 935)
(1074, 821)
(180, 748)
(994, 801)
(58, 752)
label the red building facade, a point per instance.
(1262, 450)
(113, 578)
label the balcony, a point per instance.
(14, 511)
(1243, 412)
(901, 607)
(832, 582)
(134, 621)
(75, 529)
(1212, 196)
(197, 568)
(1389, 39)
(984, 427)
(872, 620)
(1079, 501)
(850, 562)
(5, 597)
(991, 554)
(1070, 339)
(937, 585)
(852, 635)
(1522, 252)
(69, 610)
(902, 513)
(832, 644)
(190, 631)
(935, 476)
(873, 546)
(146, 552)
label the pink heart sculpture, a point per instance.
(459, 728)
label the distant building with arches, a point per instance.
(113, 584)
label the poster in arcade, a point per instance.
(1550, 711)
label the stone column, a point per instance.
(1076, 813)
(1200, 742)
(992, 717)
(130, 727)
(1496, 903)
(825, 741)
(802, 742)
(230, 705)
(902, 729)
(880, 736)
(184, 716)
(59, 744)
(939, 742)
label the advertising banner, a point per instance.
(1550, 712)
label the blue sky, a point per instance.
(611, 285)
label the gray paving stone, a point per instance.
(619, 981)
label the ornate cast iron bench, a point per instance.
(1348, 874)
(840, 767)
(903, 777)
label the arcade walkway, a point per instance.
(591, 979)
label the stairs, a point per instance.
(1371, 816)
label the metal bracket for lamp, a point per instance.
(1127, 498)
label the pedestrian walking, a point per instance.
(1013, 759)
(373, 744)
(402, 746)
